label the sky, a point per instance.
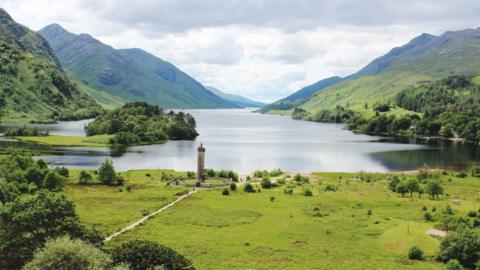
(261, 49)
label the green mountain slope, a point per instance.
(33, 85)
(130, 74)
(236, 99)
(302, 95)
(425, 58)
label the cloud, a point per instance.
(263, 49)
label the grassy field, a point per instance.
(330, 230)
(92, 141)
(112, 208)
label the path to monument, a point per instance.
(140, 221)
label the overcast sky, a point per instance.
(262, 49)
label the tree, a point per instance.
(71, 254)
(462, 245)
(233, 186)
(266, 183)
(402, 188)
(413, 186)
(434, 189)
(54, 181)
(28, 221)
(143, 254)
(225, 192)
(8, 191)
(62, 171)
(84, 178)
(107, 175)
(415, 253)
(392, 185)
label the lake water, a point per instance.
(244, 141)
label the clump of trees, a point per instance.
(422, 184)
(228, 174)
(140, 122)
(265, 173)
(338, 115)
(462, 245)
(25, 131)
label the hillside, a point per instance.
(130, 74)
(425, 58)
(236, 99)
(34, 87)
(302, 95)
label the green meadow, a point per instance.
(54, 140)
(361, 225)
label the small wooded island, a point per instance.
(142, 123)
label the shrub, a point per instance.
(462, 175)
(265, 183)
(53, 181)
(427, 216)
(453, 265)
(462, 245)
(248, 188)
(66, 253)
(476, 171)
(233, 186)
(190, 174)
(415, 253)
(330, 187)
(62, 171)
(272, 199)
(144, 254)
(84, 178)
(226, 192)
(307, 192)
(288, 191)
(107, 175)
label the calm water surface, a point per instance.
(244, 141)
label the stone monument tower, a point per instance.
(201, 164)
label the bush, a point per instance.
(288, 191)
(143, 254)
(84, 178)
(54, 181)
(472, 213)
(62, 171)
(307, 192)
(462, 175)
(427, 216)
(266, 183)
(233, 186)
(248, 188)
(415, 253)
(476, 171)
(107, 175)
(453, 265)
(330, 187)
(226, 192)
(65, 253)
(462, 245)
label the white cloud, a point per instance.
(261, 49)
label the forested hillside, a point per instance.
(33, 85)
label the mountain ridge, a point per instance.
(131, 74)
(236, 99)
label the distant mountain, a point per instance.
(130, 74)
(33, 85)
(424, 58)
(302, 95)
(236, 99)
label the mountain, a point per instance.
(130, 74)
(425, 58)
(236, 99)
(302, 95)
(33, 85)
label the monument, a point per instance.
(201, 164)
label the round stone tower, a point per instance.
(201, 164)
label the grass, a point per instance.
(92, 141)
(250, 231)
(112, 208)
